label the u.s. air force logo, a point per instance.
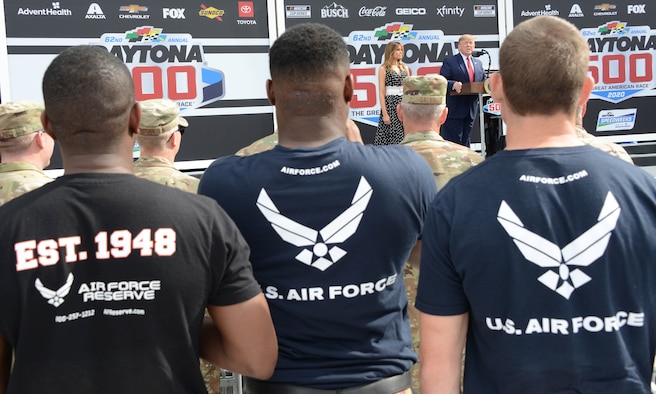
(581, 252)
(55, 297)
(324, 252)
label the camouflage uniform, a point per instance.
(261, 145)
(606, 146)
(160, 117)
(19, 118)
(160, 170)
(446, 159)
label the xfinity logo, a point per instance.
(581, 252)
(446, 11)
(319, 247)
(636, 9)
(576, 11)
(173, 13)
(410, 11)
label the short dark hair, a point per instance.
(88, 95)
(307, 50)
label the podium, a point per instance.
(476, 89)
(469, 89)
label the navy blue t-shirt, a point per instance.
(552, 253)
(330, 229)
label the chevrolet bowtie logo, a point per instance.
(319, 250)
(605, 7)
(581, 252)
(133, 8)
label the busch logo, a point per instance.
(376, 11)
(173, 13)
(334, 10)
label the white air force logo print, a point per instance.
(55, 297)
(322, 255)
(581, 252)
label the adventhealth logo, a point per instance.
(561, 277)
(317, 250)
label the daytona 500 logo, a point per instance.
(166, 66)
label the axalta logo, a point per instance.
(562, 275)
(546, 11)
(56, 10)
(166, 66)
(334, 10)
(410, 11)
(449, 11)
(211, 13)
(94, 12)
(319, 248)
(576, 11)
(133, 11)
(370, 12)
(605, 9)
(617, 119)
(636, 9)
(173, 13)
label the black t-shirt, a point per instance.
(104, 281)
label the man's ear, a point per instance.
(588, 85)
(443, 115)
(348, 88)
(135, 119)
(269, 90)
(496, 87)
(47, 126)
(399, 112)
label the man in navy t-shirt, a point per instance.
(330, 224)
(542, 257)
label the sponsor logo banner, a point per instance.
(617, 119)
(621, 59)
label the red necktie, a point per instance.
(470, 68)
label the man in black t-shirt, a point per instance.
(105, 277)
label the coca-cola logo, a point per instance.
(376, 11)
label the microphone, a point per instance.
(481, 52)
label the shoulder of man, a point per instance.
(610, 148)
(14, 187)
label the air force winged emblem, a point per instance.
(322, 254)
(581, 252)
(55, 297)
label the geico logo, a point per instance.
(410, 11)
(637, 9)
(174, 13)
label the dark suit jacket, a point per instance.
(455, 70)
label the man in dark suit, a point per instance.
(460, 69)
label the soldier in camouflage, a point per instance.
(25, 149)
(589, 139)
(271, 140)
(160, 134)
(422, 111)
